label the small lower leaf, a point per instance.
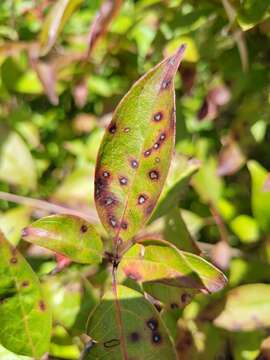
(144, 334)
(24, 314)
(68, 235)
(167, 265)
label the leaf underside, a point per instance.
(145, 336)
(24, 314)
(135, 153)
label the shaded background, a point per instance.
(58, 92)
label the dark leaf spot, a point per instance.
(124, 225)
(112, 221)
(13, 260)
(156, 145)
(162, 137)
(134, 336)
(126, 129)
(25, 283)
(156, 337)
(111, 343)
(112, 128)
(106, 174)
(123, 180)
(154, 175)
(165, 83)
(84, 228)
(174, 306)
(147, 152)
(152, 324)
(109, 201)
(142, 199)
(158, 116)
(42, 305)
(185, 298)
(134, 164)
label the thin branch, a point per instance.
(47, 206)
(237, 34)
(118, 315)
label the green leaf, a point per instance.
(252, 12)
(144, 335)
(135, 153)
(177, 232)
(176, 185)
(8, 355)
(163, 264)
(24, 314)
(246, 308)
(55, 21)
(17, 166)
(260, 197)
(13, 221)
(68, 235)
(246, 228)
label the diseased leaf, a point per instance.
(17, 166)
(55, 21)
(260, 199)
(68, 235)
(163, 264)
(246, 308)
(24, 314)
(144, 335)
(172, 297)
(135, 153)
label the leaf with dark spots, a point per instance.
(144, 335)
(55, 21)
(68, 235)
(246, 308)
(148, 111)
(25, 317)
(152, 261)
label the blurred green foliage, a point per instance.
(56, 96)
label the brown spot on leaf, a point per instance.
(162, 137)
(158, 116)
(154, 175)
(106, 174)
(42, 305)
(156, 338)
(165, 84)
(157, 160)
(134, 164)
(132, 273)
(84, 228)
(111, 343)
(156, 145)
(108, 201)
(124, 225)
(126, 129)
(142, 199)
(134, 337)
(152, 324)
(112, 128)
(25, 283)
(147, 152)
(185, 298)
(13, 260)
(174, 306)
(123, 180)
(113, 221)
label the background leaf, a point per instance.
(24, 314)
